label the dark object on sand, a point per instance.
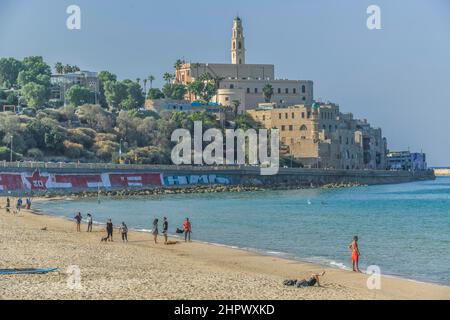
(26, 271)
(104, 239)
(179, 230)
(44, 229)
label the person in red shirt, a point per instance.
(187, 230)
(355, 254)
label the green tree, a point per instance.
(34, 69)
(174, 91)
(168, 77)
(9, 71)
(151, 79)
(34, 94)
(59, 68)
(12, 99)
(134, 98)
(104, 76)
(154, 94)
(78, 95)
(115, 93)
(236, 104)
(267, 92)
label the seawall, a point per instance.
(42, 177)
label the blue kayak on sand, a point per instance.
(26, 271)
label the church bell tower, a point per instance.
(237, 43)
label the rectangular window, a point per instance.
(286, 90)
(256, 90)
(290, 127)
(285, 115)
(294, 91)
(293, 115)
(303, 115)
(282, 128)
(279, 116)
(309, 114)
(248, 90)
(279, 90)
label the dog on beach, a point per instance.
(104, 239)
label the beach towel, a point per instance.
(26, 271)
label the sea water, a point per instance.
(404, 228)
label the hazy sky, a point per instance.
(398, 77)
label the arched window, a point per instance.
(234, 45)
(303, 128)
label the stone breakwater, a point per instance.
(123, 193)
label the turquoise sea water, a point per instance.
(403, 228)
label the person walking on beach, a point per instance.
(109, 230)
(155, 229)
(78, 218)
(8, 205)
(165, 229)
(89, 221)
(355, 253)
(19, 204)
(187, 230)
(124, 232)
(28, 202)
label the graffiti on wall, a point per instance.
(38, 181)
(195, 179)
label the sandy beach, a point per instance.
(141, 269)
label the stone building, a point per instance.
(319, 135)
(245, 82)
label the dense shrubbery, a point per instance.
(91, 133)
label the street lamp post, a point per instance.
(120, 151)
(11, 150)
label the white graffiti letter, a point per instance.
(374, 20)
(73, 22)
(374, 280)
(74, 280)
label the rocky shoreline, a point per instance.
(120, 193)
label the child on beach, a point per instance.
(187, 230)
(124, 232)
(109, 230)
(155, 229)
(355, 253)
(165, 229)
(89, 221)
(78, 218)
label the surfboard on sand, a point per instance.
(26, 270)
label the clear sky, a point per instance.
(397, 77)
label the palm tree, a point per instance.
(59, 68)
(151, 79)
(267, 92)
(167, 77)
(236, 104)
(145, 87)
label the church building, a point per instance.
(245, 82)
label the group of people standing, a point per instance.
(123, 229)
(187, 230)
(19, 204)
